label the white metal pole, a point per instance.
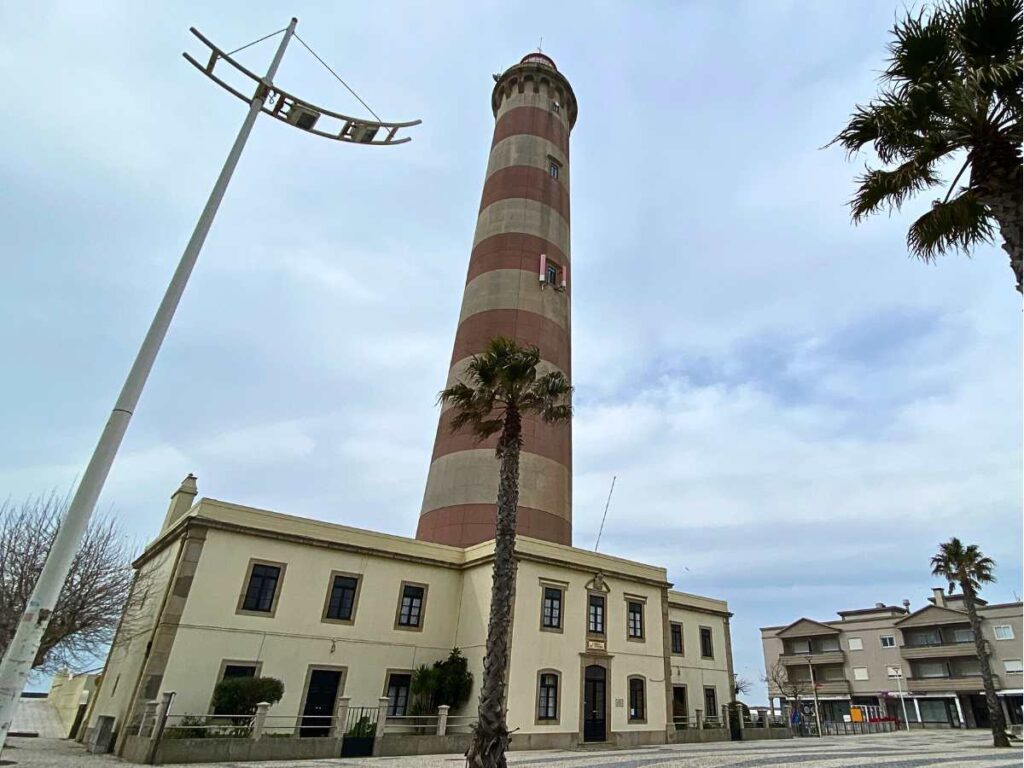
(899, 687)
(814, 687)
(20, 655)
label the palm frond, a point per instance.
(878, 188)
(955, 225)
(921, 51)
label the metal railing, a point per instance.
(440, 724)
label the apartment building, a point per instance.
(602, 649)
(919, 662)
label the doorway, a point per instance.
(679, 709)
(980, 709)
(321, 695)
(594, 703)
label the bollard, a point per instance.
(163, 710)
(700, 721)
(382, 716)
(442, 719)
(259, 719)
(340, 717)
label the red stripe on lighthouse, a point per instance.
(525, 181)
(535, 122)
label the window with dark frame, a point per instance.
(547, 697)
(636, 699)
(635, 619)
(677, 638)
(410, 614)
(595, 615)
(343, 598)
(707, 648)
(551, 274)
(551, 617)
(398, 694)
(259, 594)
(553, 169)
(710, 701)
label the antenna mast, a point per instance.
(605, 515)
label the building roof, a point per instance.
(933, 614)
(805, 628)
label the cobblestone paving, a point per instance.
(944, 749)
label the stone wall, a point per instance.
(136, 749)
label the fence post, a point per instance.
(340, 717)
(163, 711)
(259, 719)
(442, 719)
(700, 722)
(148, 716)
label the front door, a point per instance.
(320, 699)
(679, 706)
(980, 708)
(594, 680)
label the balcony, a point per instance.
(938, 650)
(965, 684)
(833, 687)
(824, 657)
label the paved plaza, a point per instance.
(894, 750)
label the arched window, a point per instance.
(547, 696)
(637, 699)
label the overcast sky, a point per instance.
(796, 412)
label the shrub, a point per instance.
(240, 695)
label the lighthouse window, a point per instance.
(551, 274)
(553, 169)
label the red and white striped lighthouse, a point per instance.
(518, 286)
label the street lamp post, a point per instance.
(898, 674)
(814, 687)
(20, 655)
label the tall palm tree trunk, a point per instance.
(490, 738)
(1001, 194)
(995, 710)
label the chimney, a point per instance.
(879, 605)
(939, 597)
(181, 501)
(906, 605)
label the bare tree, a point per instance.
(779, 681)
(94, 595)
(742, 685)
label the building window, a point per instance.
(829, 644)
(595, 615)
(1013, 666)
(637, 701)
(924, 669)
(554, 167)
(551, 274)
(677, 638)
(888, 641)
(547, 697)
(707, 648)
(855, 644)
(860, 673)
(963, 635)
(1004, 632)
(410, 606)
(261, 588)
(635, 620)
(556, 107)
(893, 672)
(398, 693)
(551, 609)
(710, 701)
(341, 601)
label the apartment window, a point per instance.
(398, 693)
(893, 672)
(595, 615)
(677, 638)
(551, 610)
(707, 648)
(710, 701)
(261, 589)
(963, 635)
(341, 602)
(1013, 666)
(551, 274)
(829, 644)
(547, 697)
(637, 703)
(1004, 632)
(410, 608)
(860, 673)
(634, 620)
(855, 644)
(888, 641)
(931, 669)
(554, 167)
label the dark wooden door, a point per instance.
(679, 716)
(594, 683)
(320, 699)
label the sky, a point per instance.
(796, 412)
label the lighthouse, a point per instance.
(518, 285)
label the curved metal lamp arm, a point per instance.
(294, 111)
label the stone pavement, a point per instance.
(919, 749)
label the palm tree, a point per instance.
(503, 385)
(951, 94)
(969, 568)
